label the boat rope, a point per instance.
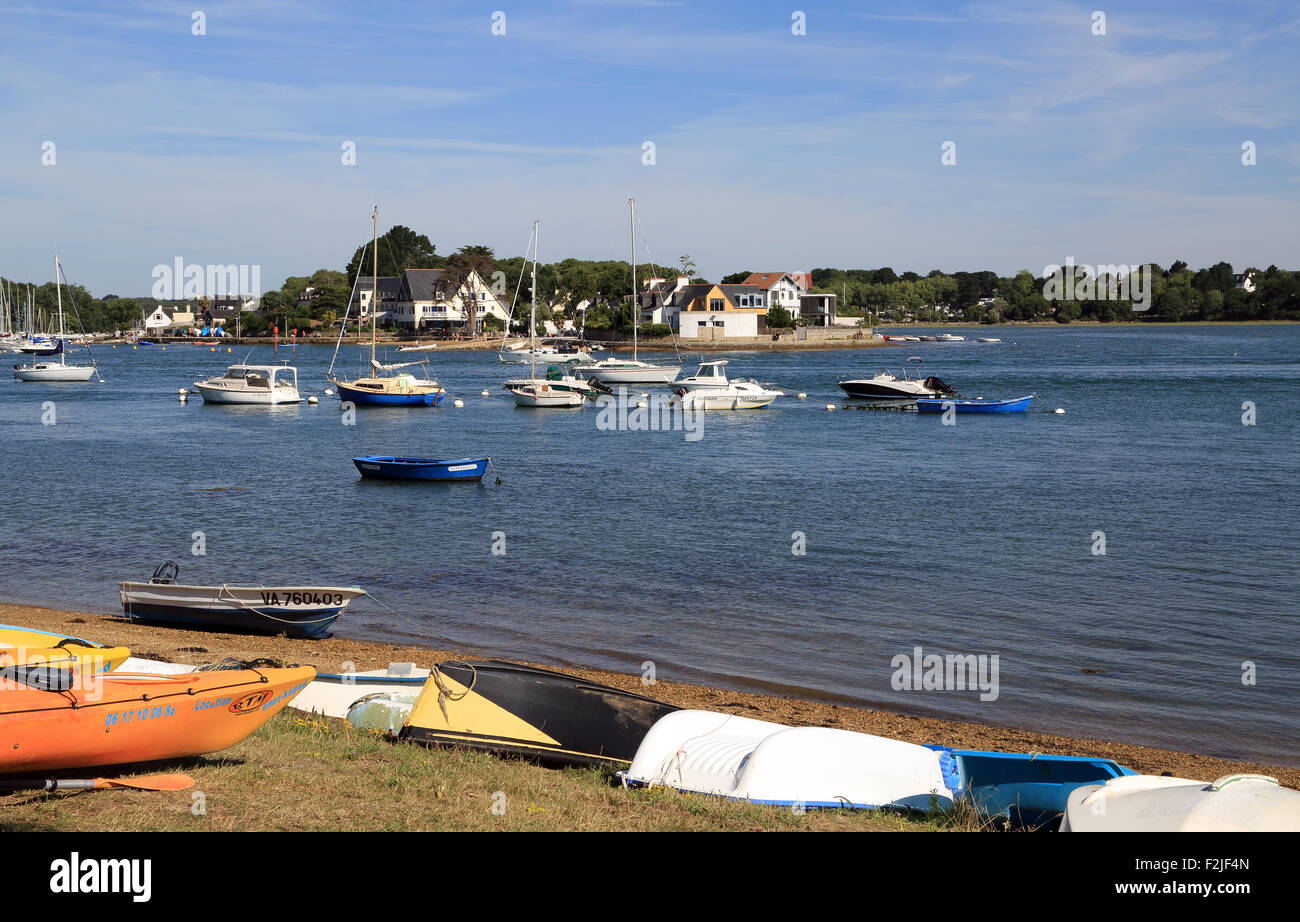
(343, 327)
(445, 694)
(519, 282)
(494, 470)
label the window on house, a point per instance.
(715, 304)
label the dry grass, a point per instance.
(305, 773)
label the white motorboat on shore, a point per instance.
(265, 385)
(710, 389)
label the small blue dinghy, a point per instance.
(387, 467)
(962, 405)
(1027, 789)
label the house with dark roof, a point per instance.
(708, 311)
(422, 299)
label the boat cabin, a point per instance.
(262, 377)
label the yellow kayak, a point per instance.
(26, 647)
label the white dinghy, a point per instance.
(1154, 803)
(334, 694)
(705, 752)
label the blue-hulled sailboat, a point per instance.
(399, 390)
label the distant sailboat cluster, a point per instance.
(62, 370)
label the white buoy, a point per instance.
(802, 395)
(1059, 411)
(182, 398)
(183, 391)
(313, 400)
(458, 403)
(830, 406)
(641, 404)
(486, 392)
(329, 392)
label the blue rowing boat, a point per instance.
(960, 405)
(390, 468)
(1026, 789)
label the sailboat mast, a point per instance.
(532, 311)
(58, 290)
(374, 289)
(631, 225)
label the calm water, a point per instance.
(623, 547)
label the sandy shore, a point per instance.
(333, 655)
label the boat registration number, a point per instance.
(302, 598)
(463, 467)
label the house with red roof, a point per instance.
(782, 289)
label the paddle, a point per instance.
(172, 782)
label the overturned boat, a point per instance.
(553, 718)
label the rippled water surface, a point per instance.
(627, 547)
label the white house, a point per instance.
(782, 289)
(420, 298)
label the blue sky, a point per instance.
(773, 150)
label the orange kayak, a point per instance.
(58, 718)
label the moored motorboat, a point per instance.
(388, 467)
(265, 385)
(58, 718)
(296, 611)
(710, 389)
(973, 405)
(885, 386)
(27, 647)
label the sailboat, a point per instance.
(556, 389)
(400, 390)
(614, 370)
(60, 370)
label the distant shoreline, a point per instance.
(746, 344)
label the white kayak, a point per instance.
(1154, 803)
(333, 694)
(706, 752)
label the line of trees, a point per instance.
(1178, 293)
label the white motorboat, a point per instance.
(614, 370)
(951, 338)
(60, 370)
(710, 389)
(885, 386)
(265, 385)
(553, 355)
(989, 339)
(417, 347)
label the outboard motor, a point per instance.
(938, 385)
